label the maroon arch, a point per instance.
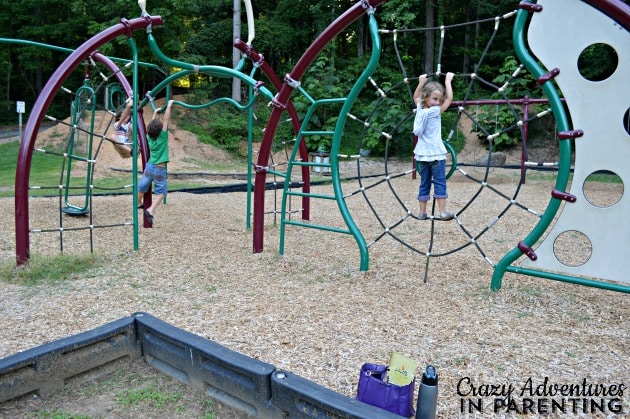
(280, 104)
(25, 155)
(614, 9)
(259, 60)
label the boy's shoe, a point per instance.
(149, 217)
(445, 216)
(422, 216)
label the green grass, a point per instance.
(59, 414)
(124, 393)
(46, 170)
(604, 177)
(149, 395)
(48, 269)
(48, 167)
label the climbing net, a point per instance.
(84, 133)
(75, 144)
(485, 197)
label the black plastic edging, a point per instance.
(223, 374)
(49, 368)
(247, 384)
(302, 398)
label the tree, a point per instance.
(202, 32)
(236, 56)
(429, 38)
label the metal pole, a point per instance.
(20, 107)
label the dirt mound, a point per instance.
(187, 153)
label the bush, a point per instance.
(497, 121)
(221, 125)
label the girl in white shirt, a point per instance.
(431, 99)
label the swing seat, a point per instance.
(75, 211)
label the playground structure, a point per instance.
(281, 102)
(221, 373)
(594, 121)
(249, 385)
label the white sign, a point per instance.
(21, 107)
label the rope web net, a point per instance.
(484, 195)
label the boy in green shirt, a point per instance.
(155, 170)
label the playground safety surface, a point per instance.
(312, 311)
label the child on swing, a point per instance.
(122, 130)
(431, 100)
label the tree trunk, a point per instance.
(468, 35)
(429, 37)
(361, 38)
(236, 55)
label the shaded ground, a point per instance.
(135, 390)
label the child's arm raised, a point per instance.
(449, 92)
(167, 115)
(127, 111)
(422, 80)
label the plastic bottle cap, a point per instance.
(430, 376)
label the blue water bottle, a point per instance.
(427, 394)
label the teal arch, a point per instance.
(333, 165)
(116, 96)
(214, 70)
(84, 96)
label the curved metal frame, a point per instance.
(280, 104)
(616, 11)
(87, 49)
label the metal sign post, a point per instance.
(20, 108)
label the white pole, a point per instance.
(20, 108)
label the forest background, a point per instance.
(202, 31)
